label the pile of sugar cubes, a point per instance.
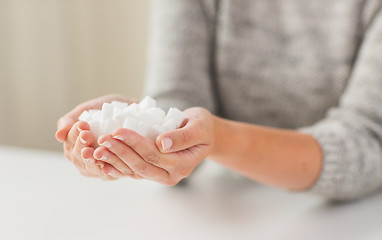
(144, 118)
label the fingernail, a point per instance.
(106, 144)
(166, 143)
(86, 159)
(100, 165)
(119, 137)
(104, 157)
(79, 129)
(111, 174)
(82, 140)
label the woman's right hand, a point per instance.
(79, 141)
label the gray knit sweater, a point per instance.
(314, 66)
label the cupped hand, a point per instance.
(79, 142)
(172, 157)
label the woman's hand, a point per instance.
(79, 141)
(172, 157)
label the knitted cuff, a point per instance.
(333, 168)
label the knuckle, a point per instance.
(110, 160)
(186, 136)
(71, 140)
(68, 147)
(151, 158)
(127, 171)
(172, 182)
(77, 150)
(91, 168)
(183, 173)
(135, 176)
(132, 142)
(122, 152)
(141, 169)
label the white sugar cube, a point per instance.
(96, 128)
(144, 118)
(95, 114)
(110, 126)
(177, 115)
(85, 116)
(119, 104)
(151, 133)
(117, 112)
(121, 118)
(155, 131)
(147, 103)
(143, 128)
(159, 114)
(130, 123)
(133, 109)
(107, 111)
(119, 107)
(159, 130)
(169, 125)
(129, 112)
(150, 118)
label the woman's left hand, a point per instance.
(171, 158)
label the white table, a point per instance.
(43, 197)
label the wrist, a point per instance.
(220, 127)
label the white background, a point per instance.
(43, 197)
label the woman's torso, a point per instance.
(285, 63)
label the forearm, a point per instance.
(276, 157)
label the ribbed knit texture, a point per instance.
(314, 66)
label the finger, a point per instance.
(89, 161)
(74, 133)
(109, 170)
(85, 139)
(136, 176)
(63, 127)
(133, 159)
(103, 154)
(65, 123)
(93, 168)
(144, 147)
(193, 133)
(103, 165)
(106, 168)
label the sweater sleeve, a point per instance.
(351, 134)
(179, 54)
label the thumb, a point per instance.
(179, 139)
